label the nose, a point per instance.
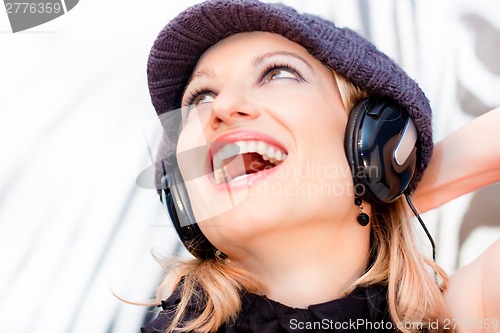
(231, 106)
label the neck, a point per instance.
(321, 260)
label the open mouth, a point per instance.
(256, 156)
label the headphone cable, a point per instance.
(407, 196)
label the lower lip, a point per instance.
(244, 182)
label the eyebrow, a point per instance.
(208, 73)
(265, 56)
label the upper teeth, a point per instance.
(269, 152)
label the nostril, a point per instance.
(214, 124)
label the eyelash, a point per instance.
(274, 66)
(194, 94)
(282, 66)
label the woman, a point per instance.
(260, 190)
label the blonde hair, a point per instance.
(415, 299)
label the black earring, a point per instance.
(363, 218)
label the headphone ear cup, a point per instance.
(350, 140)
(353, 145)
(182, 217)
(380, 145)
(172, 213)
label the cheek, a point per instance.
(320, 132)
(321, 154)
(313, 109)
(192, 134)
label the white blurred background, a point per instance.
(74, 227)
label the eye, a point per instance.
(195, 99)
(199, 97)
(276, 72)
(203, 98)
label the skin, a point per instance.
(453, 172)
(473, 294)
(326, 248)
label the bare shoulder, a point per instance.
(473, 293)
(491, 281)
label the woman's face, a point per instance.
(274, 122)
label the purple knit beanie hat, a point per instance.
(181, 43)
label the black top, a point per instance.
(364, 310)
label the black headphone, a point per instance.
(175, 197)
(380, 145)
